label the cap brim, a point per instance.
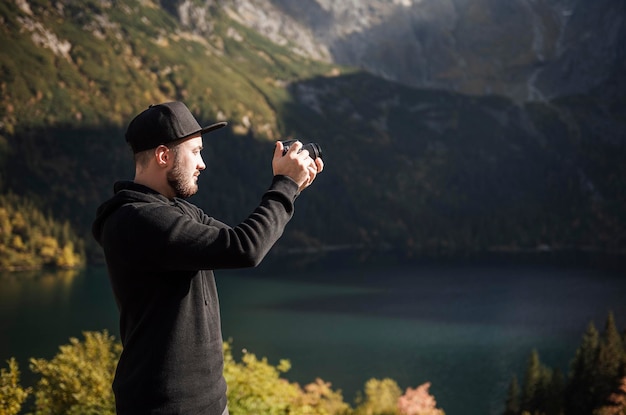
(213, 127)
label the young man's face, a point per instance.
(183, 177)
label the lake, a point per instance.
(465, 327)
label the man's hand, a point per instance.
(299, 166)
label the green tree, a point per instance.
(581, 388)
(596, 383)
(12, 394)
(77, 381)
(537, 388)
(532, 383)
(610, 360)
(597, 369)
(554, 392)
(512, 405)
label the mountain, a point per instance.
(409, 170)
(523, 49)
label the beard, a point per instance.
(177, 179)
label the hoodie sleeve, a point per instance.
(164, 237)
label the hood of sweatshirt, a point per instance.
(124, 192)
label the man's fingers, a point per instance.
(278, 150)
(294, 148)
(304, 154)
(319, 163)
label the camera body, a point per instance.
(314, 149)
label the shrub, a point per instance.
(12, 395)
(256, 387)
(381, 398)
(418, 402)
(77, 381)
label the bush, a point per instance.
(12, 395)
(418, 402)
(77, 381)
(381, 398)
(255, 387)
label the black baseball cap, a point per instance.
(162, 124)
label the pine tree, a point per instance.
(580, 391)
(609, 364)
(512, 406)
(554, 393)
(537, 382)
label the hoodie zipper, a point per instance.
(205, 294)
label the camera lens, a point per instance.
(314, 149)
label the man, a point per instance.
(160, 252)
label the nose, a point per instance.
(201, 165)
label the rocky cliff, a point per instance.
(524, 49)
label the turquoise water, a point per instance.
(465, 329)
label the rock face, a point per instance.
(591, 48)
(525, 49)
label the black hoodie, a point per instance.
(160, 254)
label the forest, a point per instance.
(595, 384)
(30, 239)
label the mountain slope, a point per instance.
(417, 171)
(103, 62)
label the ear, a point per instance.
(162, 155)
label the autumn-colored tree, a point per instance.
(77, 381)
(418, 402)
(256, 387)
(12, 394)
(68, 257)
(381, 398)
(29, 239)
(616, 402)
(319, 397)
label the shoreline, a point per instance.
(345, 256)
